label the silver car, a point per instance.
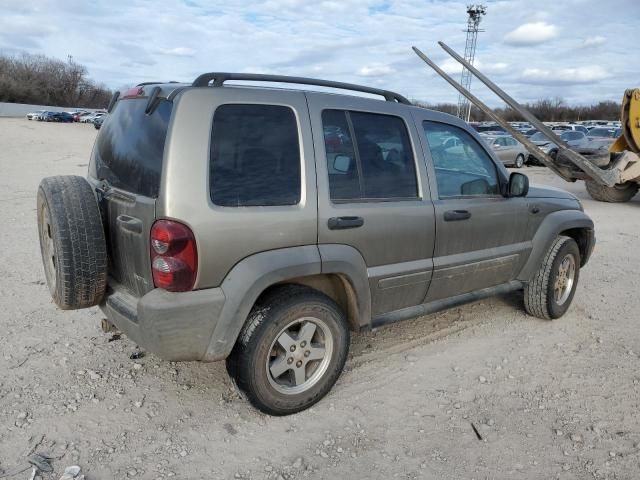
(510, 151)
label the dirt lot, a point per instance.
(550, 399)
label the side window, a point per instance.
(369, 156)
(512, 142)
(255, 156)
(464, 170)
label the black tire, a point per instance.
(248, 363)
(539, 299)
(617, 194)
(72, 242)
(519, 163)
(553, 154)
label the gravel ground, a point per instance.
(548, 399)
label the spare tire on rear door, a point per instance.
(72, 242)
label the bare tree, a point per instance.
(547, 110)
(47, 81)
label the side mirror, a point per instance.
(518, 185)
(341, 163)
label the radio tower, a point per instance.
(475, 13)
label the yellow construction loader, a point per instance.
(609, 176)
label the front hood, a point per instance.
(545, 191)
(541, 143)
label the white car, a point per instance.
(35, 115)
(569, 127)
(92, 117)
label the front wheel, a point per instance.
(291, 350)
(550, 292)
(519, 161)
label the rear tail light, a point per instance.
(174, 256)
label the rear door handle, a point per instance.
(341, 223)
(455, 215)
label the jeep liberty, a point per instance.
(262, 226)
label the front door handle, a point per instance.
(455, 215)
(341, 223)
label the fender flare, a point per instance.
(549, 229)
(253, 275)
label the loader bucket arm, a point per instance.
(604, 177)
(531, 147)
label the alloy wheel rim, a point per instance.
(299, 356)
(564, 279)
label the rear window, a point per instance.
(129, 149)
(255, 156)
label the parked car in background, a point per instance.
(34, 115)
(91, 117)
(604, 132)
(62, 117)
(48, 116)
(510, 151)
(97, 123)
(569, 127)
(489, 128)
(530, 132)
(82, 116)
(603, 137)
(574, 139)
(76, 115)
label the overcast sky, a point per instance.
(581, 50)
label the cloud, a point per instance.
(531, 34)
(375, 70)
(356, 41)
(178, 52)
(565, 76)
(594, 41)
(452, 67)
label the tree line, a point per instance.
(547, 110)
(41, 80)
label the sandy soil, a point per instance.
(550, 399)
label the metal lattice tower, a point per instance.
(475, 13)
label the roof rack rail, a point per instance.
(154, 83)
(218, 79)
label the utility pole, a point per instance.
(474, 15)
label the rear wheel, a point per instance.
(550, 292)
(519, 161)
(72, 242)
(616, 194)
(291, 350)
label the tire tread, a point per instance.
(536, 301)
(603, 193)
(241, 361)
(81, 267)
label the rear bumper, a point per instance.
(173, 326)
